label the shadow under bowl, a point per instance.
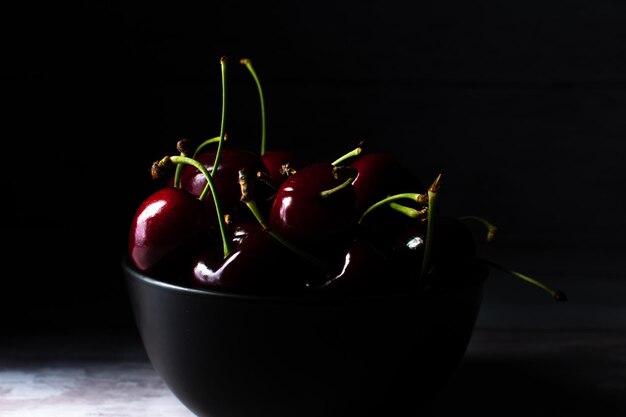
(229, 355)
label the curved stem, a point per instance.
(209, 186)
(178, 173)
(182, 146)
(204, 144)
(408, 211)
(557, 295)
(430, 228)
(491, 229)
(355, 152)
(328, 193)
(179, 167)
(248, 65)
(223, 120)
(420, 198)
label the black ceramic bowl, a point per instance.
(226, 355)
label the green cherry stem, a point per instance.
(248, 63)
(256, 212)
(557, 295)
(491, 229)
(328, 193)
(218, 153)
(419, 198)
(408, 211)
(433, 191)
(355, 152)
(209, 186)
(206, 143)
(182, 146)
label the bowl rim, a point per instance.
(478, 271)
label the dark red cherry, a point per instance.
(164, 227)
(407, 250)
(307, 216)
(453, 246)
(380, 174)
(384, 227)
(257, 265)
(363, 270)
(225, 178)
(279, 164)
(240, 229)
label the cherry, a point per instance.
(170, 221)
(262, 262)
(408, 248)
(240, 229)
(257, 265)
(425, 242)
(364, 270)
(453, 248)
(279, 164)
(165, 225)
(225, 177)
(380, 174)
(390, 218)
(315, 208)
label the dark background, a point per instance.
(520, 105)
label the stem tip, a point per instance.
(435, 185)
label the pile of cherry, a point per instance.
(229, 219)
